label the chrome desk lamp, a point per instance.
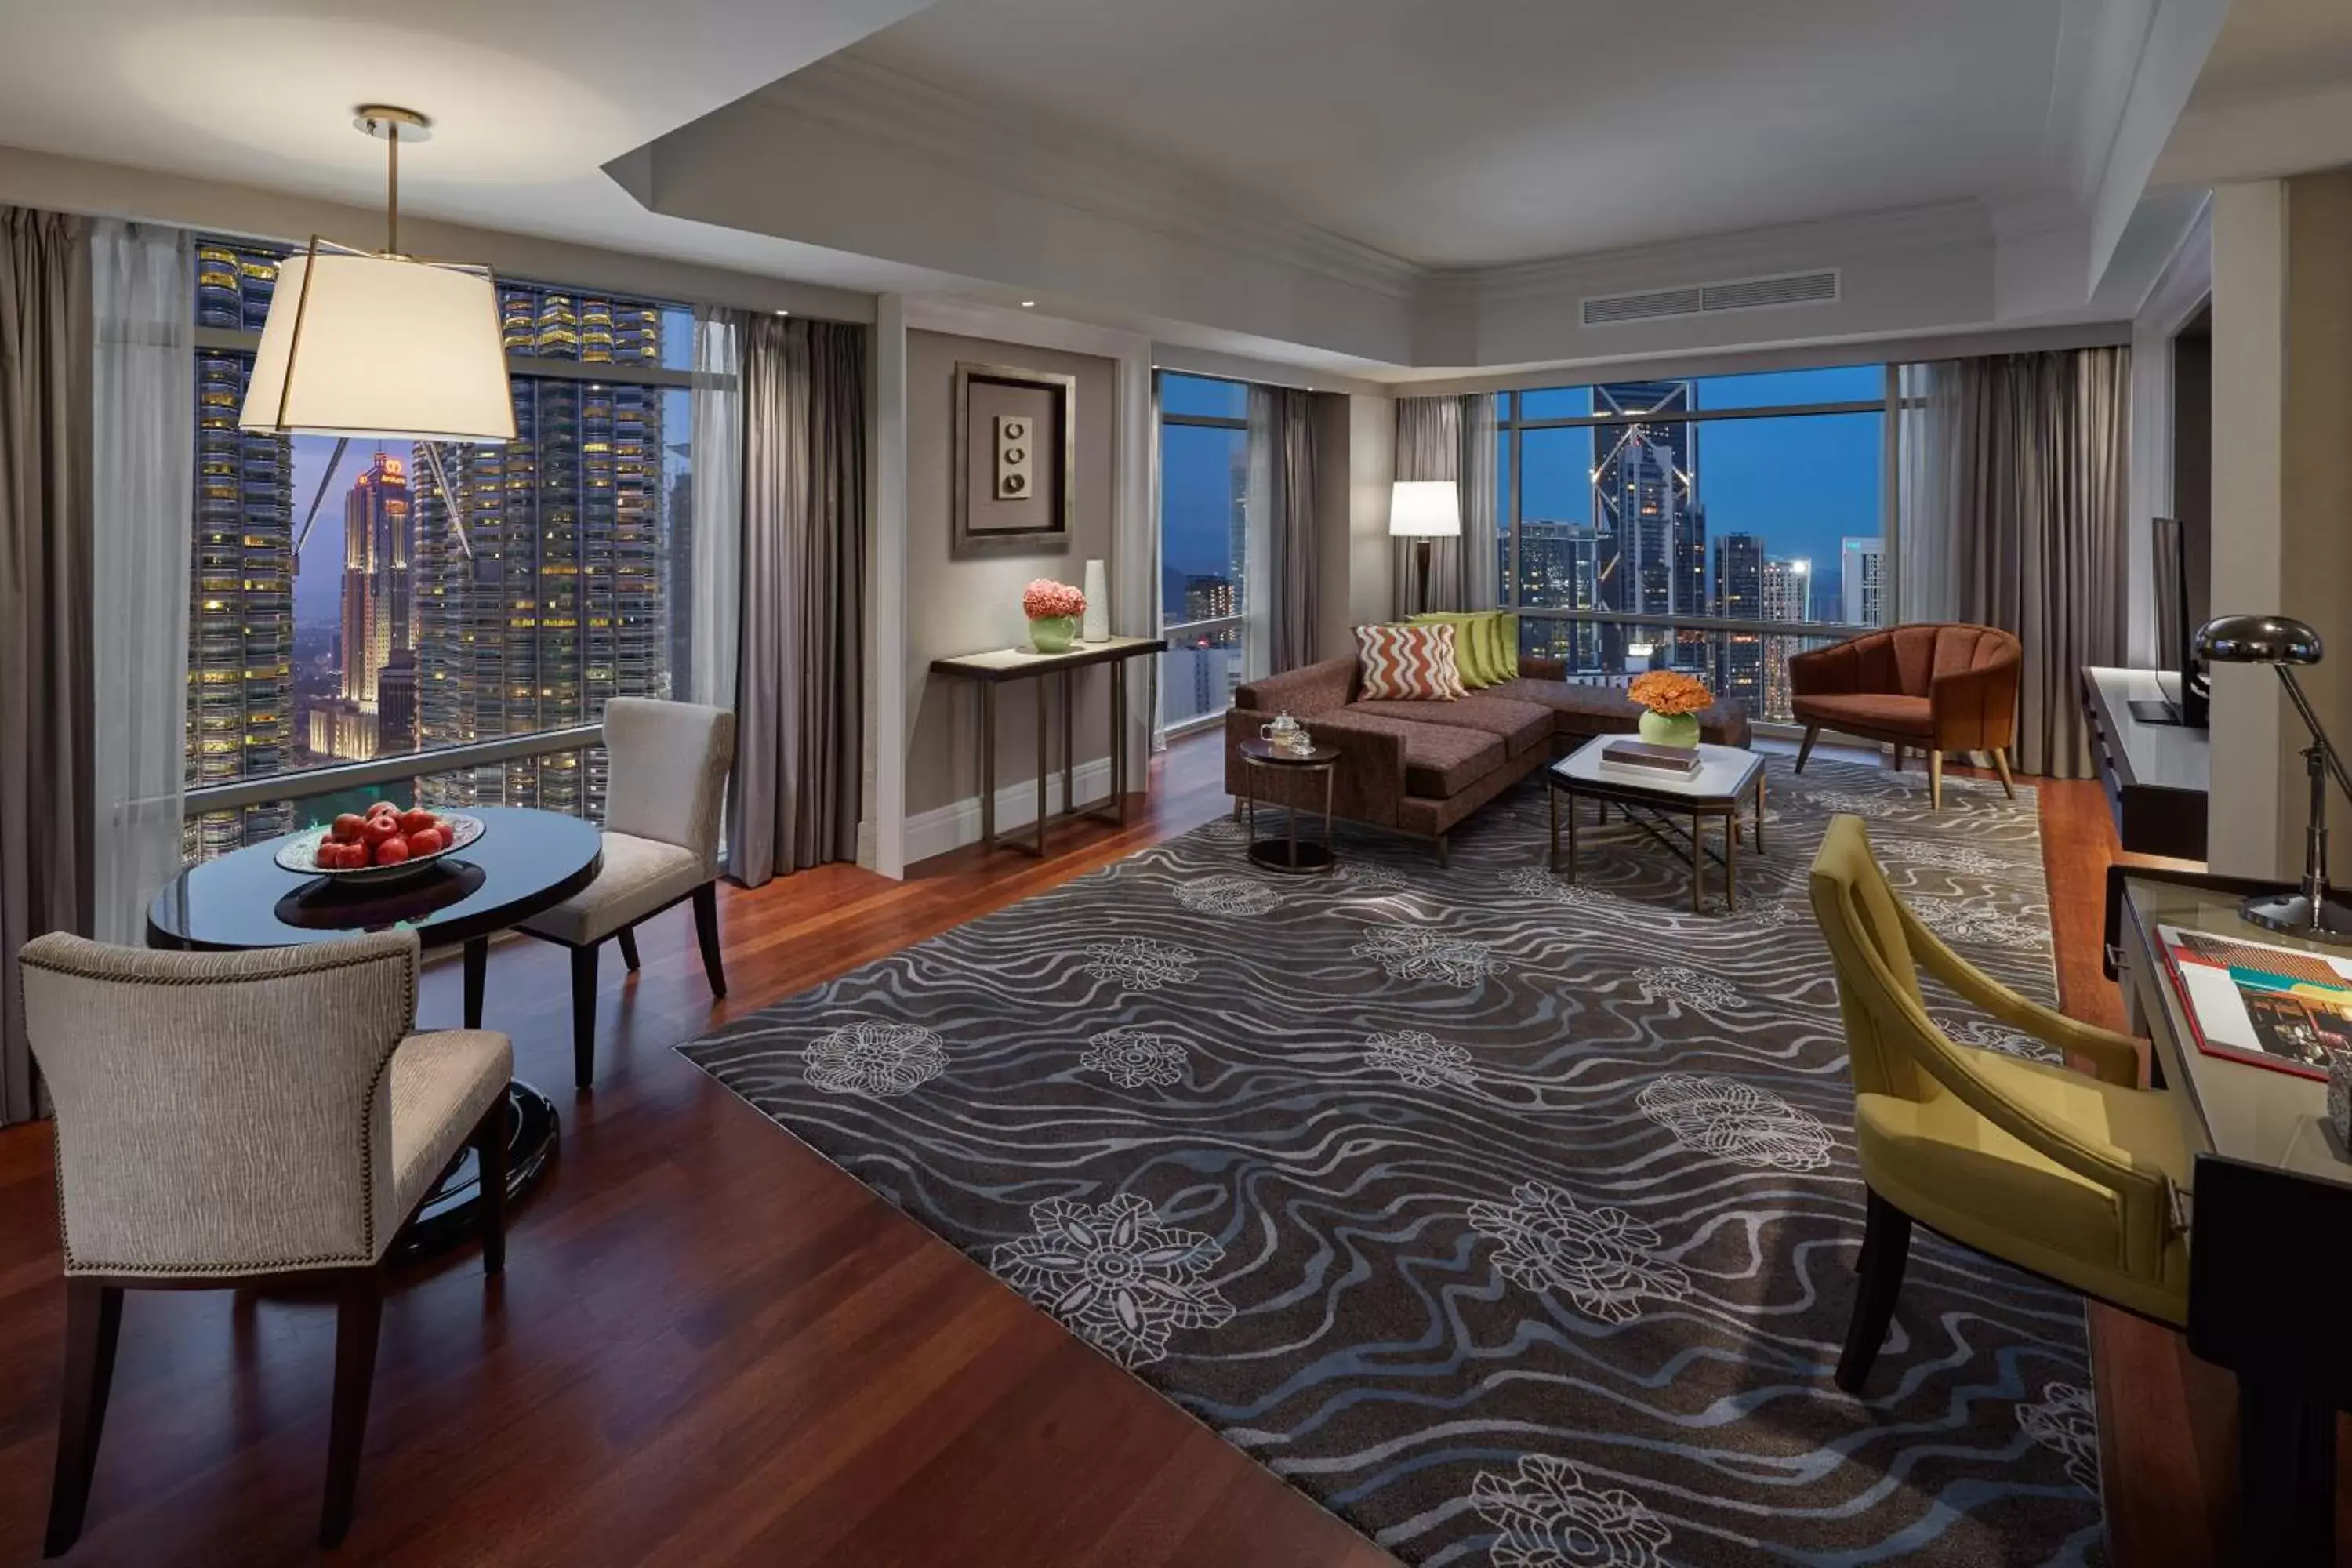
(2282, 644)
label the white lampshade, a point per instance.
(381, 346)
(1426, 508)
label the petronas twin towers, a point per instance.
(549, 600)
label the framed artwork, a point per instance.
(1015, 460)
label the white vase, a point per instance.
(1096, 626)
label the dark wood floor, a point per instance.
(711, 1347)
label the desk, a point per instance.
(2156, 775)
(2270, 1218)
(992, 670)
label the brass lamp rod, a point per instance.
(392, 125)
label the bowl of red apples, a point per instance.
(384, 844)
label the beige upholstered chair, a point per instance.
(229, 1119)
(668, 780)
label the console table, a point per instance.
(2155, 774)
(992, 670)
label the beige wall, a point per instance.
(1372, 475)
(1334, 489)
(2282, 495)
(971, 603)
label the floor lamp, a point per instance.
(1424, 510)
(2282, 644)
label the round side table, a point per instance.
(1287, 854)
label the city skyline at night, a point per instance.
(385, 633)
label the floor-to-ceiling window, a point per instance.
(1713, 524)
(340, 612)
(1203, 544)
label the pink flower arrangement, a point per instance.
(1045, 599)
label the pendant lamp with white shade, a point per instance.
(380, 344)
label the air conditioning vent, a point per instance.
(1642, 307)
(1737, 294)
(1754, 293)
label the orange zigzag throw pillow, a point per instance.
(1408, 663)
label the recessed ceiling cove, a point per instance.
(1477, 132)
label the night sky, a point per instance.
(1803, 481)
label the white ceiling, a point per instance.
(528, 97)
(1278, 176)
(1452, 132)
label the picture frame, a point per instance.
(1015, 479)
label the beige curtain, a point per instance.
(1428, 447)
(45, 712)
(1451, 438)
(799, 686)
(2013, 476)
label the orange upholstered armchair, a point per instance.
(1941, 688)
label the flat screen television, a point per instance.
(2184, 601)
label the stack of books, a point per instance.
(1640, 756)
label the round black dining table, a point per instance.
(524, 862)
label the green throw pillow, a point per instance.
(1481, 649)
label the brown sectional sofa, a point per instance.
(1421, 767)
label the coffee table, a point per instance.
(1286, 853)
(1657, 804)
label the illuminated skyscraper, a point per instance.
(241, 602)
(1739, 596)
(1645, 503)
(1787, 597)
(1859, 559)
(1561, 568)
(559, 607)
(378, 613)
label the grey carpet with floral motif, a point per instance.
(1510, 1218)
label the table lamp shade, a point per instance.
(1426, 508)
(381, 346)
(2257, 639)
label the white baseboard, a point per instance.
(957, 824)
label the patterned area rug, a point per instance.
(1510, 1218)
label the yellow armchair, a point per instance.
(2070, 1176)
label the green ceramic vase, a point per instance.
(1052, 634)
(1662, 729)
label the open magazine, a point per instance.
(2275, 1006)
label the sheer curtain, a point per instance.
(2014, 468)
(143, 291)
(715, 413)
(1927, 576)
(1482, 573)
(1260, 615)
(800, 693)
(45, 713)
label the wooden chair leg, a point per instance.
(706, 932)
(490, 1140)
(628, 938)
(1935, 780)
(1898, 759)
(2001, 761)
(93, 1324)
(1805, 746)
(359, 1313)
(583, 1015)
(1885, 1247)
